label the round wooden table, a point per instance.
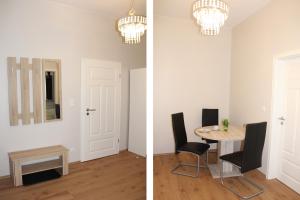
(225, 145)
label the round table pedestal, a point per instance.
(224, 147)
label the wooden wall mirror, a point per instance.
(52, 90)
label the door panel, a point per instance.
(291, 124)
(110, 113)
(95, 122)
(102, 94)
(102, 145)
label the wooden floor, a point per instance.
(173, 187)
(119, 177)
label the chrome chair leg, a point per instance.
(260, 188)
(221, 172)
(206, 158)
(197, 166)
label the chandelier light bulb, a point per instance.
(210, 15)
(132, 27)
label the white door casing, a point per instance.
(289, 165)
(284, 148)
(101, 93)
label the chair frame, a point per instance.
(259, 187)
(211, 150)
(197, 166)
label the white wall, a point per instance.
(273, 30)
(191, 72)
(137, 114)
(45, 29)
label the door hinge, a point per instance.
(118, 140)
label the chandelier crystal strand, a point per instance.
(210, 15)
(132, 27)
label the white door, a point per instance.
(289, 169)
(100, 108)
(137, 116)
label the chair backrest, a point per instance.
(210, 117)
(253, 146)
(179, 130)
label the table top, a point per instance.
(234, 133)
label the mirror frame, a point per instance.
(55, 66)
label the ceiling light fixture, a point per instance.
(132, 27)
(210, 15)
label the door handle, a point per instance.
(282, 119)
(89, 110)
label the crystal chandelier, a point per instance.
(132, 27)
(210, 15)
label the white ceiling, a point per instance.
(239, 9)
(111, 8)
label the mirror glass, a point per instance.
(52, 90)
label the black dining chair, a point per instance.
(182, 145)
(210, 117)
(249, 158)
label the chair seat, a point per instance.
(235, 158)
(194, 147)
(208, 141)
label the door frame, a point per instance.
(275, 128)
(83, 106)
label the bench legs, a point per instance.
(16, 169)
(17, 173)
(65, 163)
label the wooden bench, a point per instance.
(18, 160)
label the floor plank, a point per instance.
(173, 187)
(115, 177)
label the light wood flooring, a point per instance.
(118, 177)
(173, 187)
